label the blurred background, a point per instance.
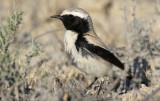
(116, 22)
(108, 16)
(110, 19)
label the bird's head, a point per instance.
(76, 19)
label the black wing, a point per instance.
(105, 54)
(82, 43)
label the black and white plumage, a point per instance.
(87, 51)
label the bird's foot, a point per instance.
(90, 86)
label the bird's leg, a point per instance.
(95, 79)
(89, 86)
(113, 85)
(101, 84)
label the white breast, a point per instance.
(94, 66)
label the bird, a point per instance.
(85, 48)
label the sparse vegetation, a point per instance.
(11, 75)
(36, 68)
(13, 82)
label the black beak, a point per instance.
(56, 16)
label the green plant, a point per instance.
(10, 74)
(35, 52)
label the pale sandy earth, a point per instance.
(113, 24)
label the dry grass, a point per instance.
(46, 74)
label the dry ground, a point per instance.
(130, 27)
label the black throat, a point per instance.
(75, 24)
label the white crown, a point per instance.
(76, 12)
